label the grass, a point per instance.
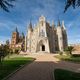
(10, 65)
(69, 58)
(61, 74)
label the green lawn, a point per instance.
(69, 58)
(10, 65)
(61, 74)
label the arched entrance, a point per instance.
(43, 48)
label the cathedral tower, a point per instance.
(30, 30)
(60, 36)
(65, 44)
(15, 38)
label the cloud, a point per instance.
(3, 39)
(26, 10)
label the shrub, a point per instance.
(60, 53)
(17, 51)
(75, 55)
(69, 49)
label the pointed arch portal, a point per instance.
(43, 48)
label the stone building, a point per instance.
(44, 37)
(17, 40)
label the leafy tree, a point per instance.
(5, 4)
(73, 3)
(4, 51)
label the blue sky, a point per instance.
(23, 12)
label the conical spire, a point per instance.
(30, 26)
(59, 23)
(16, 29)
(63, 26)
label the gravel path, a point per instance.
(42, 68)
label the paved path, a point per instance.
(42, 68)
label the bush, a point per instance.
(75, 55)
(60, 53)
(69, 50)
(17, 51)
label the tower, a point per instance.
(30, 30)
(15, 38)
(60, 36)
(65, 44)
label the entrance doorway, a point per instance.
(43, 48)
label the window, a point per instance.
(42, 33)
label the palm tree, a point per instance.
(73, 3)
(70, 49)
(5, 4)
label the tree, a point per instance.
(70, 49)
(4, 51)
(5, 4)
(73, 3)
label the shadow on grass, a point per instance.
(38, 70)
(61, 74)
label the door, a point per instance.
(43, 48)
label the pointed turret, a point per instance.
(30, 29)
(59, 23)
(63, 26)
(60, 36)
(16, 30)
(30, 26)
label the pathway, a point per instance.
(42, 68)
